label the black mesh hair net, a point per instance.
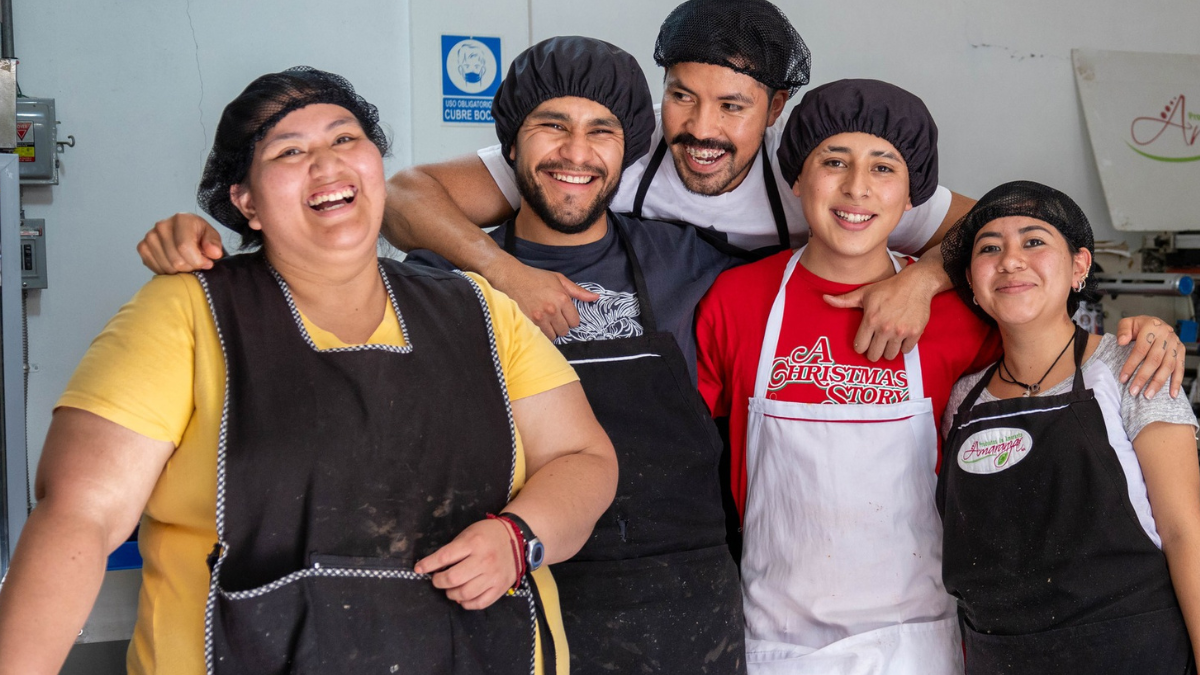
(867, 106)
(576, 66)
(248, 118)
(1018, 198)
(752, 37)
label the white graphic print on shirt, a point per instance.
(840, 383)
(614, 315)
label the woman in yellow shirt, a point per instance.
(331, 435)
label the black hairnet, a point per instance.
(867, 106)
(576, 66)
(248, 118)
(1019, 198)
(752, 37)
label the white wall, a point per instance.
(141, 85)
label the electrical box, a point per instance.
(32, 253)
(37, 136)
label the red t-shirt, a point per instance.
(815, 361)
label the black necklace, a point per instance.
(1031, 389)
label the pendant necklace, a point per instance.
(1031, 389)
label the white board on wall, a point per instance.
(1145, 136)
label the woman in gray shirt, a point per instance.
(1071, 507)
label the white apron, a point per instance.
(842, 558)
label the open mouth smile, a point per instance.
(333, 200)
(705, 156)
(572, 179)
(853, 218)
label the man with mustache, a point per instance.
(655, 585)
(731, 65)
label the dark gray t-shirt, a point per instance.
(678, 266)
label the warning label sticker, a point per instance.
(23, 129)
(25, 152)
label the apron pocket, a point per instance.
(331, 620)
(671, 613)
(1153, 643)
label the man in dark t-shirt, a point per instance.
(678, 265)
(655, 583)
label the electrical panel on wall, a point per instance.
(37, 136)
(33, 253)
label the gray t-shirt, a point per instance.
(1125, 415)
(1136, 411)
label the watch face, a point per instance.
(537, 554)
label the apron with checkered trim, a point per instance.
(338, 469)
(841, 566)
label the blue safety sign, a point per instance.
(470, 77)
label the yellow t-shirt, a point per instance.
(157, 369)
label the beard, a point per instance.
(708, 185)
(560, 217)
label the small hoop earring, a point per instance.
(1082, 284)
(975, 300)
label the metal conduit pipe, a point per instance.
(7, 50)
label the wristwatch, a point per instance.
(535, 553)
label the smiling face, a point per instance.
(1022, 270)
(315, 186)
(854, 189)
(567, 157)
(714, 119)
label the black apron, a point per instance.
(1052, 570)
(714, 238)
(333, 480)
(655, 589)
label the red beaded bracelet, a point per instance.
(518, 545)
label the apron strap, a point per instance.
(781, 226)
(648, 177)
(766, 357)
(969, 401)
(1081, 340)
(549, 651)
(646, 315)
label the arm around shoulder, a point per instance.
(441, 207)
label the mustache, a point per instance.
(685, 138)
(567, 167)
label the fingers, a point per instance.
(851, 300)
(151, 251)
(1124, 335)
(545, 297)
(578, 292)
(1145, 333)
(187, 234)
(442, 558)
(476, 568)
(181, 243)
(1164, 361)
(211, 244)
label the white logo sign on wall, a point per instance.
(470, 78)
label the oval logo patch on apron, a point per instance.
(994, 450)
